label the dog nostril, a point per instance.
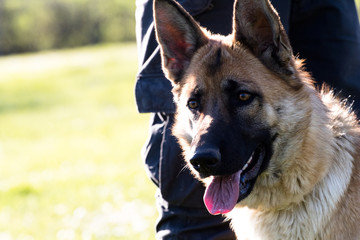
(204, 163)
(195, 164)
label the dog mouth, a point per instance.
(224, 192)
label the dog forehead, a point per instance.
(220, 61)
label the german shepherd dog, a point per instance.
(278, 157)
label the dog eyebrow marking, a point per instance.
(197, 92)
(232, 85)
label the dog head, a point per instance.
(239, 98)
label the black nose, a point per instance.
(206, 161)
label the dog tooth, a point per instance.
(245, 166)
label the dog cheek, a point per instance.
(182, 131)
(272, 117)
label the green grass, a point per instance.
(70, 141)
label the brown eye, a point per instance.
(193, 104)
(244, 96)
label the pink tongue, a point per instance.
(222, 194)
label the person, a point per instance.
(325, 32)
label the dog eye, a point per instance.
(193, 104)
(244, 96)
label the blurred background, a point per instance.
(70, 135)
(28, 26)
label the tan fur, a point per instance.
(311, 187)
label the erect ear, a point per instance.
(179, 37)
(257, 25)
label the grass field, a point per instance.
(70, 141)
